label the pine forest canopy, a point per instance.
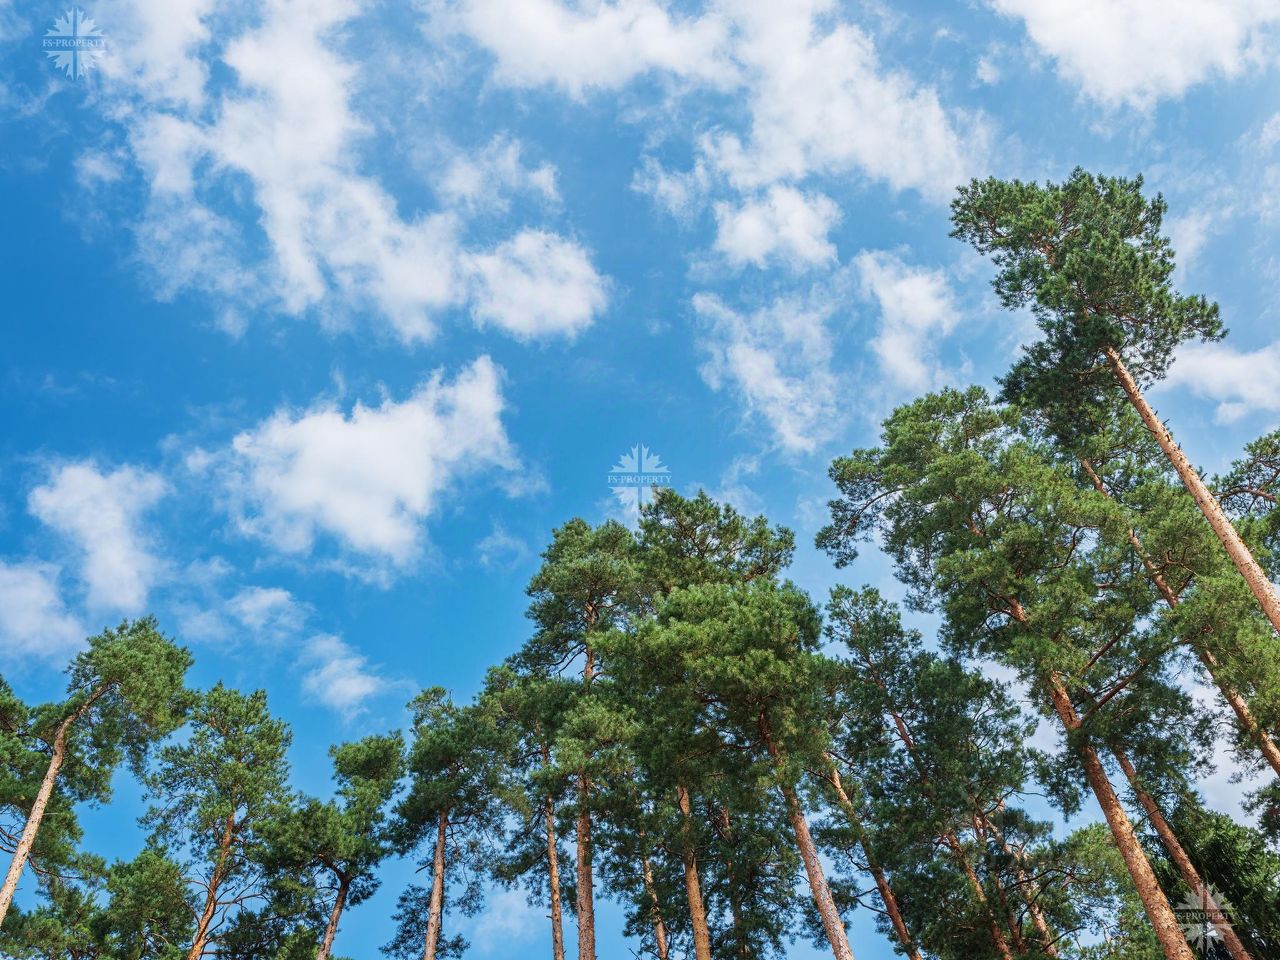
(739, 765)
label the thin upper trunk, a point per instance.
(692, 887)
(331, 928)
(1178, 855)
(832, 925)
(742, 945)
(1031, 889)
(1236, 549)
(659, 928)
(1154, 902)
(435, 908)
(57, 755)
(882, 882)
(219, 873)
(1248, 723)
(586, 893)
(553, 869)
(553, 881)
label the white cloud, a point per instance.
(1240, 382)
(784, 224)
(34, 621)
(484, 180)
(821, 103)
(777, 362)
(286, 129)
(596, 46)
(101, 514)
(819, 100)
(501, 549)
(271, 613)
(681, 194)
(338, 676)
(1136, 52)
(507, 919)
(369, 478)
(537, 284)
(916, 311)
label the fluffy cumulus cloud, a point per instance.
(368, 478)
(818, 98)
(101, 514)
(916, 312)
(1138, 51)
(339, 676)
(776, 362)
(536, 284)
(597, 46)
(1240, 382)
(286, 127)
(785, 224)
(34, 620)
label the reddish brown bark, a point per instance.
(692, 886)
(1257, 580)
(435, 908)
(1154, 902)
(335, 915)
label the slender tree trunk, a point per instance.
(23, 850)
(832, 925)
(1011, 918)
(1236, 549)
(57, 756)
(659, 928)
(1178, 855)
(742, 947)
(435, 909)
(882, 882)
(201, 939)
(692, 887)
(1154, 902)
(553, 881)
(331, 928)
(975, 884)
(1248, 723)
(1027, 883)
(586, 892)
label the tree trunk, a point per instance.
(57, 755)
(832, 925)
(23, 850)
(1154, 902)
(742, 948)
(882, 882)
(1026, 882)
(659, 928)
(553, 881)
(331, 928)
(586, 893)
(975, 884)
(435, 909)
(201, 939)
(1248, 723)
(1179, 856)
(1236, 549)
(692, 887)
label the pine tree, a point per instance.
(124, 693)
(334, 847)
(1088, 257)
(212, 793)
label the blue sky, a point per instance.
(317, 315)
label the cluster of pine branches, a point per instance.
(688, 733)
